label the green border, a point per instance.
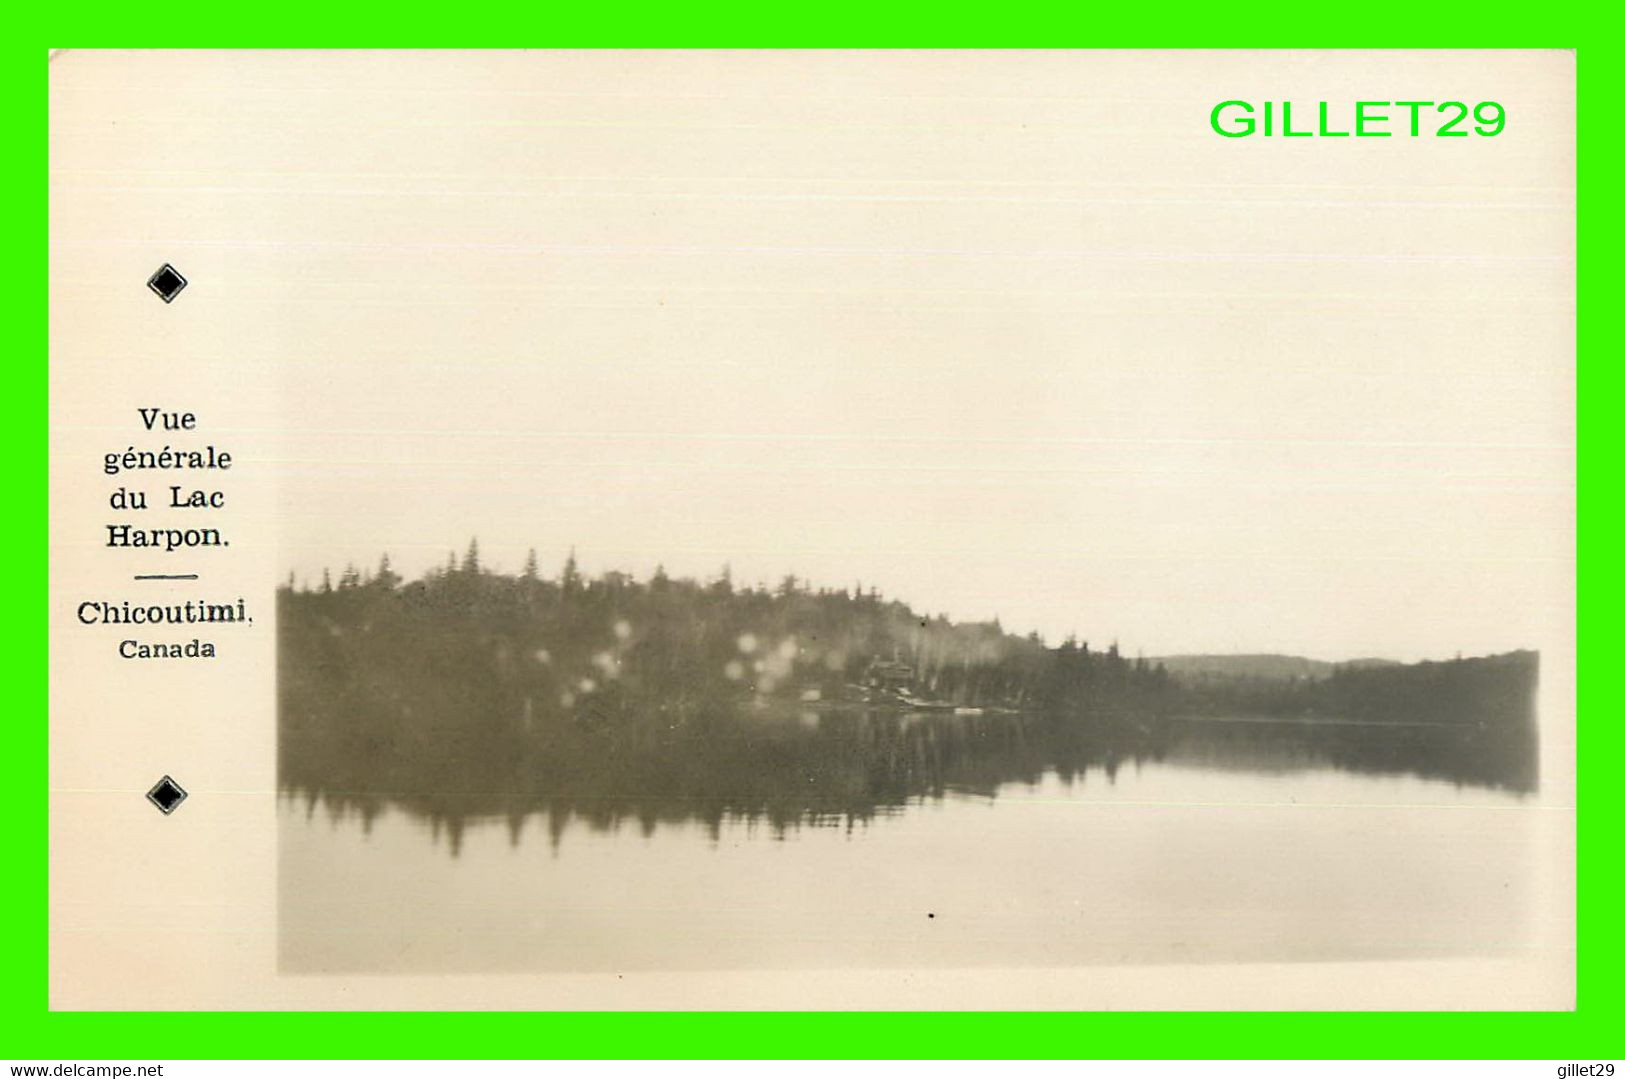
(29, 1031)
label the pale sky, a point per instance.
(1004, 333)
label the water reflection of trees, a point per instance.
(1498, 756)
(790, 770)
(782, 768)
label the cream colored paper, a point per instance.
(994, 331)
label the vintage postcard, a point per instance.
(826, 530)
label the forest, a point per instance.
(612, 645)
(473, 692)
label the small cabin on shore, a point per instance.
(889, 674)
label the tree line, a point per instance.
(467, 692)
(612, 644)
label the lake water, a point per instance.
(934, 840)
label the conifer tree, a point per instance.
(386, 578)
(570, 578)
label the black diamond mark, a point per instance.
(167, 282)
(166, 794)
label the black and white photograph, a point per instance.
(936, 516)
